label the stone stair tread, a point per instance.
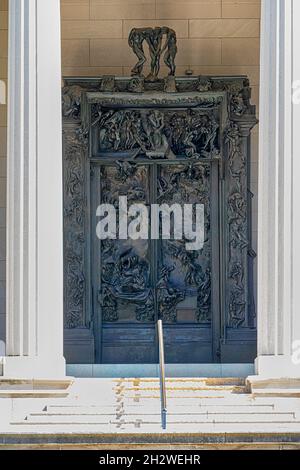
(205, 427)
(145, 426)
(189, 390)
(175, 394)
(136, 426)
(32, 393)
(172, 408)
(179, 400)
(188, 387)
(170, 413)
(35, 384)
(278, 383)
(275, 392)
(207, 381)
(149, 416)
(132, 406)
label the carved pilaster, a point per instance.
(237, 235)
(75, 147)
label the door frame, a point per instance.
(79, 96)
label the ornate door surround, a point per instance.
(227, 99)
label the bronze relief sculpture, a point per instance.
(154, 37)
(171, 140)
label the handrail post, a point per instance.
(162, 376)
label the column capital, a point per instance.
(247, 125)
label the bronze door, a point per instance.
(140, 139)
(138, 281)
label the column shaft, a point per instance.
(34, 209)
(279, 180)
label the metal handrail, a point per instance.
(162, 376)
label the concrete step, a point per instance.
(220, 381)
(147, 400)
(19, 393)
(181, 387)
(282, 382)
(214, 418)
(34, 384)
(123, 390)
(175, 411)
(174, 394)
(151, 418)
(155, 419)
(190, 406)
(278, 387)
(153, 407)
(126, 406)
(35, 388)
(138, 432)
(275, 392)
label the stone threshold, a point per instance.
(152, 370)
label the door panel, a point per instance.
(126, 294)
(128, 344)
(124, 276)
(184, 286)
(189, 270)
(140, 281)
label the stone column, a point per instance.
(34, 343)
(279, 192)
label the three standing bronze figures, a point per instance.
(154, 37)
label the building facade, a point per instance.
(215, 38)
